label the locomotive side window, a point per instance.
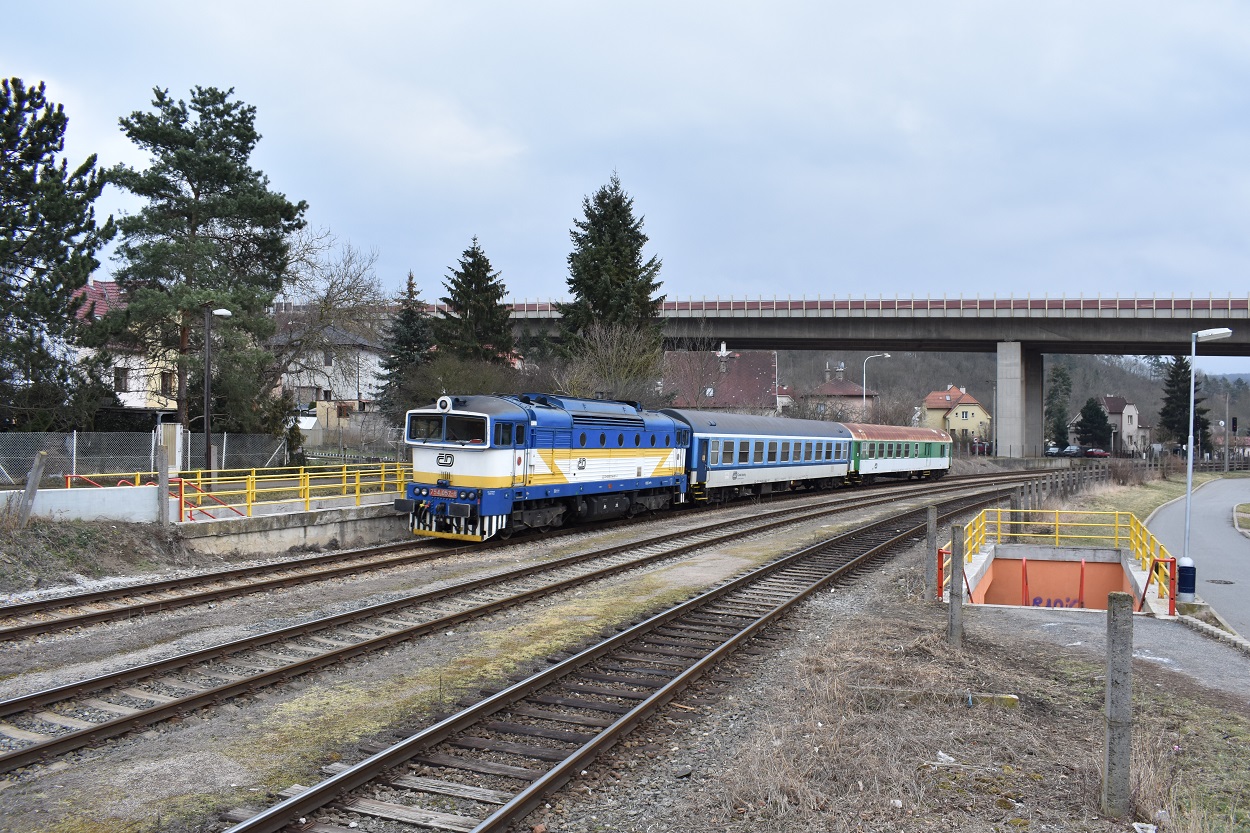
(603, 439)
(620, 440)
(772, 452)
(503, 434)
(653, 440)
(424, 428)
(785, 452)
(582, 439)
(714, 456)
(637, 440)
(668, 441)
(520, 435)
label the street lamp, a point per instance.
(863, 405)
(1186, 563)
(208, 380)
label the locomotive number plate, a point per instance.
(442, 492)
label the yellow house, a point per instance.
(957, 412)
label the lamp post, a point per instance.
(863, 404)
(1186, 593)
(208, 381)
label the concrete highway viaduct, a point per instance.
(1018, 330)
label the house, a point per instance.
(1129, 436)
(957, 412)
(141, 382)
(738, 381)
(839, 398)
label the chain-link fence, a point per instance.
(371, 443)
(83, 453)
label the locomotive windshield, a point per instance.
(425, 428)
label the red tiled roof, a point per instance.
(948, 398)
(101, 296)
(748, 381)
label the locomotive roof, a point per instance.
(715, 422)
(494, 406)
(867, 431)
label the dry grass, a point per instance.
(875, 734)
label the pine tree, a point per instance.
(1058, 391)
(1093, 428)
(408, 344)
(477, 324)
(610, 283)
(212, 233)
(48, 242)
(1174, 414)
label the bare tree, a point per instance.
(332, 306)
(692, 374)
(611, 361)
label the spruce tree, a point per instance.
(211, 233)
(610, 283)
(1058, 391)
(408, 344)
(1093, 428)
(48, 242)
(1174, 414)
(477, 324)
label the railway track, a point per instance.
(492, 763)
(59, 613)
(37, 727)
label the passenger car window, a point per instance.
(713, 457)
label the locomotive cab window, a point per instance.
(466, 430)
(520, 435)
(423, 427)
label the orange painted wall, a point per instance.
(1051, 583)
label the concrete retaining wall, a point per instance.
(348, 527)
(134, 504)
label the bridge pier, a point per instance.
(1019, 401)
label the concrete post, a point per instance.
(32, 487)
(955, 626)
(1116, 787)
(931, 590)
(162, 487)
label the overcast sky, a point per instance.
(789, 148)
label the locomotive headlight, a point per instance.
(424, 492)
(462, 495)
(472, 494)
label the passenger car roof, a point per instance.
(715, 422)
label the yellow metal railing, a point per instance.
(1061, 527)
(239, 491)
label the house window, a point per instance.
(168, 382)
(1129, 417)
(327, 359)
(709, 392)
(121, 379)
(963, 415)
(345, 410)
(326, 395)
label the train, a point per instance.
(492, 465)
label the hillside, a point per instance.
(904, 379)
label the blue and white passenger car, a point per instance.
(739, 454)
(491, 465)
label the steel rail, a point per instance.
(336, 786)
(60, 744)
(313, 564)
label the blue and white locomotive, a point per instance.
(489, 465)
(493, 465)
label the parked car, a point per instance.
(1052, 451)
(1072, 451)
(1096, 452)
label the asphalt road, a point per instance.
(1221, 554)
